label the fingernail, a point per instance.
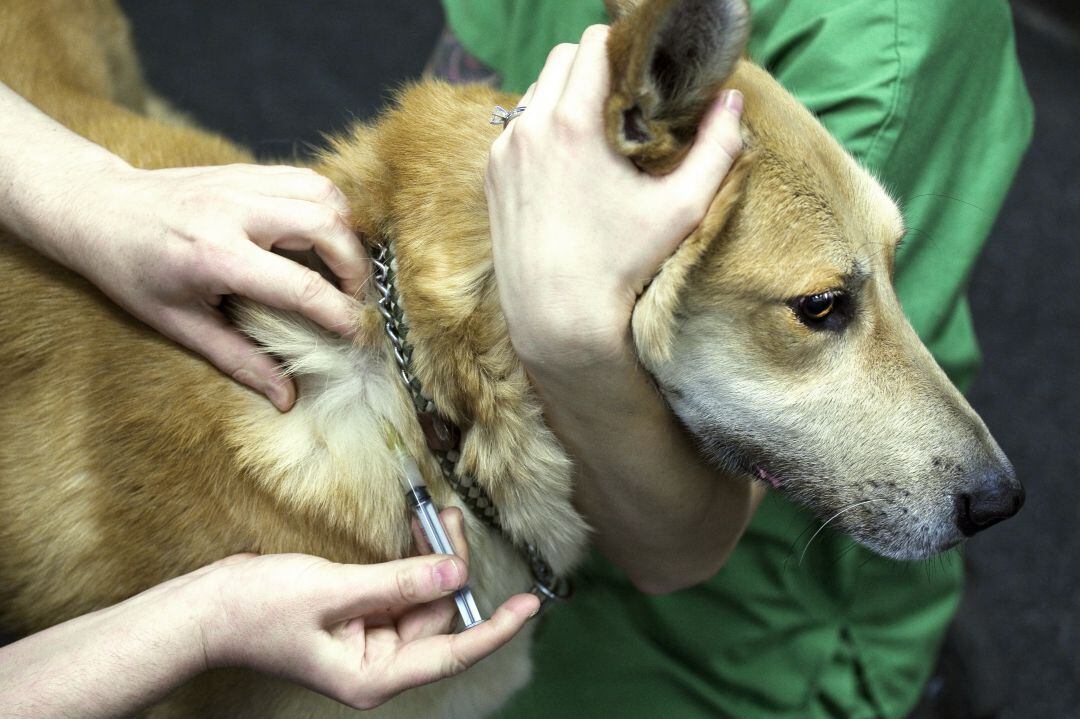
(278, 395)
(447, 575)
(732, 100)
(273, 392)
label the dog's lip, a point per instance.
(949, 544)
(759, 471)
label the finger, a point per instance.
(588, 81)
(428, 620)
(280, 282)
(508, 130)
(530, 93)
(354, 590)
(302, 225)
(454, 522)
(718, 143)
(433, 658)
(423, 546)
(207, 332)
(552, 80)
(304, 184)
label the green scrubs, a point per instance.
(928, 96)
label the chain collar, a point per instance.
(444, 437)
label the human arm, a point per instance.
(359, 634)
(166, 245)
(578, 232)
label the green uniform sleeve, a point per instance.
(929, 97)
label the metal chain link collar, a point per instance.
(444, 437)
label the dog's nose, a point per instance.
(997, 495)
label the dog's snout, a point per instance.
(996, 495)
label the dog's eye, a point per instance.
(829, 310)
(816, 308)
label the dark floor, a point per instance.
(276, 75)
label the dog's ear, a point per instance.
(668, 59)
(653, 321)
(618, 9)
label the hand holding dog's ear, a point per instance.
(578, 232)
(577, 229)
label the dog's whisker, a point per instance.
(946, 197)
(828, 521)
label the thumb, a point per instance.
(358, 589)
(718, 143)
(207, 332)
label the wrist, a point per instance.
(64, 204)
(210, 596)
(577, 335)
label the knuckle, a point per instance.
(562, 52)
(732, 145)
(326, 221)
(207, 258)
(728, 146)
(595, 33)
(322, 188)
(454, 663)
(309, 287)
(407, 585)
(568, 121)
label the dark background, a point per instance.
(276, 74)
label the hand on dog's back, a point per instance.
(167, 245)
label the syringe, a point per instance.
(418, 497)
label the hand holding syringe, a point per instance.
(419, 499)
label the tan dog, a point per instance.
(773, 331)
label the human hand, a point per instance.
(577, 233)
(167, 245)
(359, 634)
(577, 230)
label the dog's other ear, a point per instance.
(653, 323)
(668, 60)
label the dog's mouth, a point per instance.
(740, 455)
(759, 471)
(745, 458)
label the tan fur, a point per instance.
(125, 460)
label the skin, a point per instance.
(167, 245)
(640, 474)
(359, 634)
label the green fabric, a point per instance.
(929, 97)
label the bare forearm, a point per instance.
(660, 512)
(108, 663)
(40, 165)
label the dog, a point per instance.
(773, 332)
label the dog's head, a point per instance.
(774, 331)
